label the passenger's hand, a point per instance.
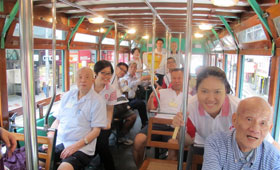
(69, 151)
(108, 126)
(178, 120)
(10, 141)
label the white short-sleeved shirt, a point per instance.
(169, 101)
(179, 60)
(205, 124)
(109, 93)
(78, 117)
(115, 84)
(133, 82)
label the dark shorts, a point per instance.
(78, 160)
(123, 115)
(161, 127)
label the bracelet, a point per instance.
(85, 141)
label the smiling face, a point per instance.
(171, 64)
(104, 76)
(132, 69)
(159, 44)
(211, 95)
(252, 122)
(173, 46)
(121, 71)
(136, 54)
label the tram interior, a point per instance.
(243, 42)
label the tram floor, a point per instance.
(122, 154)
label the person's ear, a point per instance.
(234, 119)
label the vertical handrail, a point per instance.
(153, 60)
(26, 51)
(180, 43)
(188, 52)
(115, 46)
(46, 120)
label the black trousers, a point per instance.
(141, 107)
(102, 148)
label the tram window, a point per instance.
(256, 76)
(255, 33)
(78, 59)
(196, 61)
(109, 41)
(42, 75)
(42, 32)
(277, 24)
(231, 70)
(86, 38)
(123, 57)
(124, 43)
(220, 61)
(228, 42)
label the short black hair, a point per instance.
(134, 49)
(122, 64)
(216, 72)
(100, 65)
(177, 69)
(160, 39)
(171, 58)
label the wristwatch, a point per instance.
(86, 141)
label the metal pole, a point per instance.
(153, 60)
(46, 121)
(188, 52)
(167, 51)
(116, 45)
(169, 45)
(26, 51)
(180, 53)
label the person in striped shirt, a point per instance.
(244, 147)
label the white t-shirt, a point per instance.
(109, 93)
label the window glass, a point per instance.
(109, 41)
(256, 76)
(220, 61)
(196, 61)
(42, 32)
(123, 57)
(86, 38)
(79, 59)
(231, 70)
(255, 33)
(277, 24)
(124, 43)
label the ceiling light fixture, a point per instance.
(198, 35)
(96, 20)
(205, 27)
(145, 37)
(131, 31)
(224, 3)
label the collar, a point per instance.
(86, 97)
(239, 156)
(224, 110)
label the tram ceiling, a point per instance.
(137, 13)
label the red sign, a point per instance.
(84, 55)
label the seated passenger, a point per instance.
(132, 81)
(81, 115)
(210, 110)
(175, 54)
(244, 147)
(171, 64)
(103, 72)
(121, 109)
(170, 102)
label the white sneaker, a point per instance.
(125, 141)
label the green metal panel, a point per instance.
(1, 5)
(222, 18)
(63, 71)
(75, 29)
(226, 60)
(106, 33)
(8, 23)
(276, 120)
(260, 15)
(122, 38)
(241, 77)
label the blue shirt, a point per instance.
(221, 152)
(78, 117)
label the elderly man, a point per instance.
(244, 147)
(81, 115)
(170, 102)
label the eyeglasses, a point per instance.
(105, 74)
(123, 70)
